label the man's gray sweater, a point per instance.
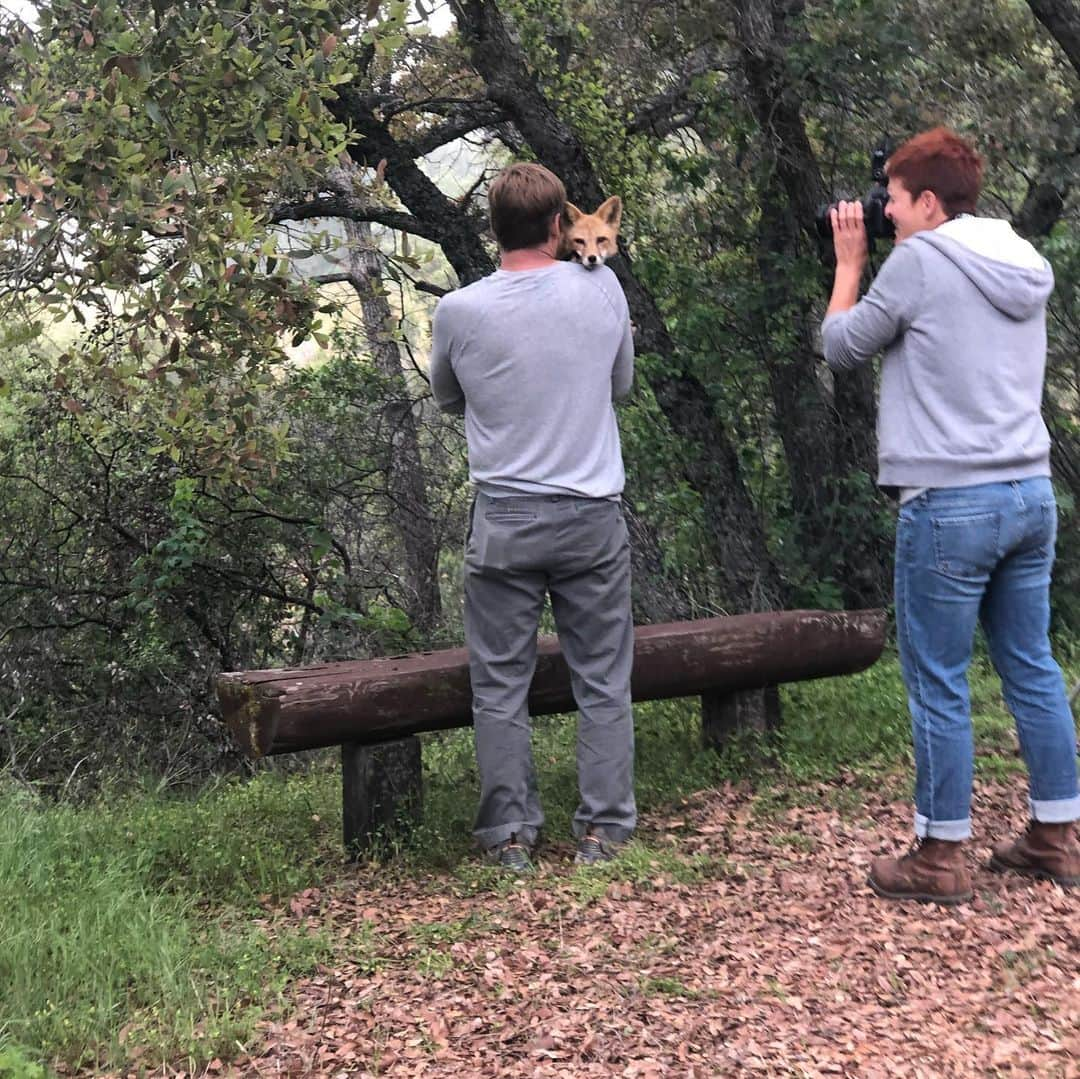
(960, 312)
(534, 359)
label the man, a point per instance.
(534, 355)
(959, 308)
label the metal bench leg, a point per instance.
(381, 791)
(751, 709)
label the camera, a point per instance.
(878, 226)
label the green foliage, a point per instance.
(181, 496)
(658, 490)
(128, 582)
(173, 556)
(150, 148)
(15, 1064)
(551, 34)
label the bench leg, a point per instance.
(722, 714)
(381, 791)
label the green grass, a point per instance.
(834, 723)
(642, 863)
(441, 934)
(144, 924)
(133, 921)
(672, 987)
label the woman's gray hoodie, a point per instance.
(960, 312)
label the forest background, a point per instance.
(223, 229)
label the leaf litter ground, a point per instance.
(739, 939)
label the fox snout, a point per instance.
(591, 239)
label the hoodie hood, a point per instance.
(1003, 266)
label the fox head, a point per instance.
(591, 239)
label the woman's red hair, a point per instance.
(942, 162)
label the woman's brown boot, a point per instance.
(1044, 851)
(933, 871)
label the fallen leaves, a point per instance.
(780, 963)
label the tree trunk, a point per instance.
(825, 442)
(655, 597)
(1062, 19)
(410, 508)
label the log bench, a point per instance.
(374, 708)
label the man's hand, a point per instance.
(849, 243)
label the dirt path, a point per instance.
(750, 946)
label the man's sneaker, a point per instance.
(510, 855)
(592, 850)
(933, 871)
(1044, 851)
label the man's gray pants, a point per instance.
(576, 549)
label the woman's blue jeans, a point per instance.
(981, 554)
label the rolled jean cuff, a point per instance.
(1059, 811)
(954, 831)
(486, 838)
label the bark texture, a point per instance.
(378, 700)
(1062, 19)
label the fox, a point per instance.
(591, 239)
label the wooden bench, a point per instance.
(374, 708)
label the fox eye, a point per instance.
(601, 239)
(580, 242)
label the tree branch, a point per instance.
(464, 121)
(677, 106)
(351, 279)
(451, 224)
(353, 209)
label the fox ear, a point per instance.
(611, 211)
(571, 213)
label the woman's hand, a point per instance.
(849, 235)
(849, 243)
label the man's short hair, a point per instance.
(942, 162)
(522, 200)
